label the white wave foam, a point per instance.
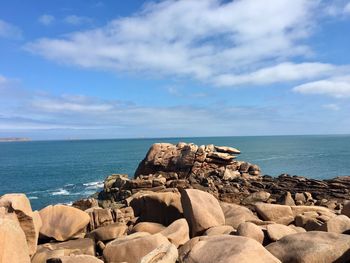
(33, 197)
(94, 185)
(60, 192)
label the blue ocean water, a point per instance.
(62, 171)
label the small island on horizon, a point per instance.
(15, 139)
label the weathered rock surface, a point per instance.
(83, 246)
(201, 210)
(75, 259)
(282, 214)
(178, 233)
(62, 222)
(236, 214)
(224, 249)
(250, 230)
(13, 244)
(109, 232)
(149, 227)
(219, 230)
(312, 247)
(166, 253)
(29, 221)
(133, 248)
(278, 231)
(163, 208)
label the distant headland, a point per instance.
(15, 139)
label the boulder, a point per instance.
(201, 210)
(226, 149)
(163, 208)
(75, 259)
(13, 244)
(109, 232)
(338, 224)
(62, 222)
(85, 203)
(149, 227)
(286, 199)
(166, 253)
(346, 208)
(278, 231)
(99, 217)
(219, 230)
(83, 246)
(132, 248)
(312, 247)
(282, 214)
(29, 221)
(224, 249)
(178, 233)
(236, 214)
(261, 196)
(250, 230)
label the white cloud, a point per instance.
(279, 73)
(46, 20)
(2, 80)
(8, 30)
(77, 20)
(212, 41)
(347, 8)
(332, 107)
(333, 87)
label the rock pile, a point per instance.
(172, 211)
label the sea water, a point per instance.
(51, 172)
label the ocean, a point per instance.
(51, 172)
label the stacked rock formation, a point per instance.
(174, 211)
(167, 166)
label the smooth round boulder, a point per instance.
(201, 210)
(132, 248)
(278, 231)
(178, 233)
(312, 247)
(251, 230)
(149, 227)
(62, 222)
(338, 224)
(224, 249)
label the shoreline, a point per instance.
(183, 201)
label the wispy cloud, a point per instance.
(221, 43)
(10, 31)
(334, 87)
(46, 19)
(332, 107)
(77, 20)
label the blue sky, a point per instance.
(121, 69)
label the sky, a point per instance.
(89, 69)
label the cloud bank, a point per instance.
(249, 42)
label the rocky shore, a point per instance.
(187, 204)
